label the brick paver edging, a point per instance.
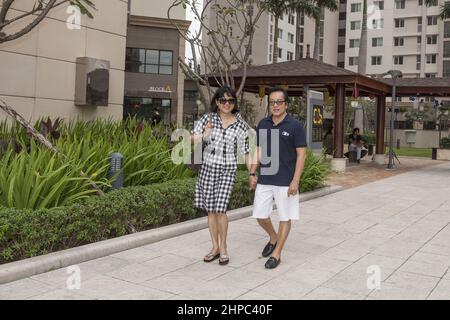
(29, 267)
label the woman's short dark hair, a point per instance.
(220, 93)
(279, 89)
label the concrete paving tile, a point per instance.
(214, 290)
(327, 264)
(441, 292)
(23, 289)
(432, 258)
(390, 292)
(350, 283)
(137, 255)
(285, 288)
(206, 271)
(323, 293)
(245, 279)
(251, 295)
(436, 249)
(106, 288)
(412, 281)
(174, 282)
(427, 269)
(398, 249)
(60, 294)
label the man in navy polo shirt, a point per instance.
(281, 142)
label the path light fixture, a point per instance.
(115, 170)
(395, 74)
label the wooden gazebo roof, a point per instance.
(436, 87)
(322, 76)
(318, 75)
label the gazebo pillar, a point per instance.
(338, 163)
(381, 118)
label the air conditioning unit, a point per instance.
(92, 82)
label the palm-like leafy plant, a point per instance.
(445, 8)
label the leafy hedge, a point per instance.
(26, 233)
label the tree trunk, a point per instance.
(362, 63)
(362, 66)
(317, 40)
(275, 41)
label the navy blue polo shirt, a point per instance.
(291, 135)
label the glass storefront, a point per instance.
(151, 109)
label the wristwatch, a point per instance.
(252, 174)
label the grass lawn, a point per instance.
(412, 152)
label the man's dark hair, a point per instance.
(355, 129)
(220, 93)
(279, 89)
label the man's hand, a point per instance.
(252, 182)
(293, 188)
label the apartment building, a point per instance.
(154, 82)
(402, 34)
(39, 70)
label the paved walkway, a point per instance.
(399, 226)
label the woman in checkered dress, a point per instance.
(226, 137)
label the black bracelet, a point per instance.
(252, 174)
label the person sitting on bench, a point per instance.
(356, 144)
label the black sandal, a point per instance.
(224, 259)
(211, 257)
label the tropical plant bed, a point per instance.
(26, 233)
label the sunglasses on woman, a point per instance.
(224, 101)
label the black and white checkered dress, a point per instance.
(218, 172)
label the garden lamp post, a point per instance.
(395, 74)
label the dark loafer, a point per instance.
(268, 249)
(272, 263)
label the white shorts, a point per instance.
(288, 207)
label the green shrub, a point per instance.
(445, 143)
(26, 233)
(34, 178)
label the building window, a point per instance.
(191, 95)
(376, 60)
(377, 23)
(290, 56)
(432, 20)
(152, 109)
(356, 7)
(399, 23)
(430, 75)
(280, 33)
(377, 42)
(353, 61)
(290, 37)
(379, 4)
(431, 58)
(355, 25)
(447, 29)
(446, 49)
(280, 53)
(149, 61)
(398, 60)
(400, 4)
(291, 19)
(446, 71)
(301, 37)
(399, 42)
(433, 3)
(354, 43)
(271, 33)
(432, 39)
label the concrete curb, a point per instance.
(29, 267)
